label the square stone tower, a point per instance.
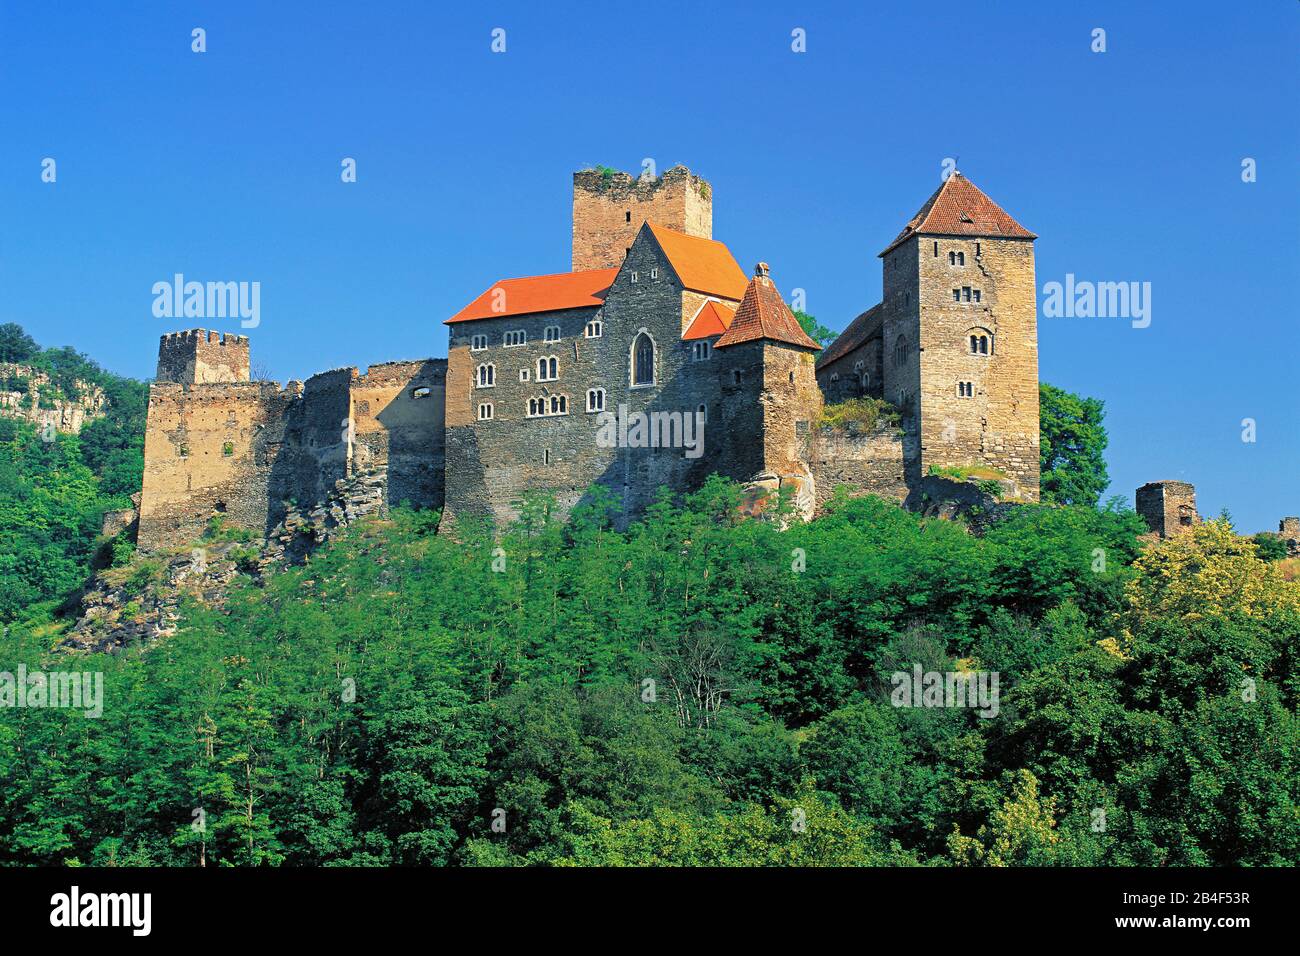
(609, 208)
(1168, 507)
(198, 357)
(960, 336)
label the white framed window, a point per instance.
(595, 329)
(485, 376)
(536, 407)
(700, 350)
(595, 399)
(559, 405)
(552, 333)
(525, 374)
(965, 389)
(635, 277)
(515, 338)
(548, 368)
(654, 272)
(485, 411)
(478, 343)
(547, 405)
(956, 258)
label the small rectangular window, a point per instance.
(956, 295)
(654, 272)
(635, 277)
(525, 374)
(965, 293)
(936, 250)
(976, 294)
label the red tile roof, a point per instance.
(861, 329)
(713, 319)
(959, 208)
(565, 290)
(702, 265)
(763, 314)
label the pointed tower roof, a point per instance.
(960, 208)
(762, 314)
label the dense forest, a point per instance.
(700, 689)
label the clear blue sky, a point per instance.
(225, 166)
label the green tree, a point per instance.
(816, 331)
(1072, 446)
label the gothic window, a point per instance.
(535, 407)
(900, 350)
(478, 343)
(595, 329)
(700, 351)
(514, 338)
(485, 411)
(548, 369)
(981, 342)
(965, 389)
(595, 399)
(552, 333)
(643, 360)
(486, 376)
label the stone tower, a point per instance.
(200, 357)
(769, 379)
(960, 336)
(1168, 507)
(610, 207)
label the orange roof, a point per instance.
(702, 265)
(959, 208)
(565, 290)
(864, 327)
(763, 315)
(713, 319)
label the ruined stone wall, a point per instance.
(869, 464)
(399, 415)
(252, 452)
(209, 450)
(608, 212)
(998, 425)
(199, 356)
(1168, 507)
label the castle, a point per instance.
(656, 361)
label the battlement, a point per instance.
(610, 206)
(200, 356)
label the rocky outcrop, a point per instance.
(140, 602)
(27, 394)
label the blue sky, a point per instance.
(225, 166)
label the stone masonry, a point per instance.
(1168, 507)
(656, 362)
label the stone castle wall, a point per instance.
(200, 356)
(608, 211)
(867, 464)
(248, 452)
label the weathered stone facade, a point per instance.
(655, 363)
(248, 451)
(1168, 507)
(954, 341)
(609, 209)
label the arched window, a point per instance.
(486, 376)
(643, 360)
(595, 399)
(980, 341)
(548, 369)
(900, 350)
